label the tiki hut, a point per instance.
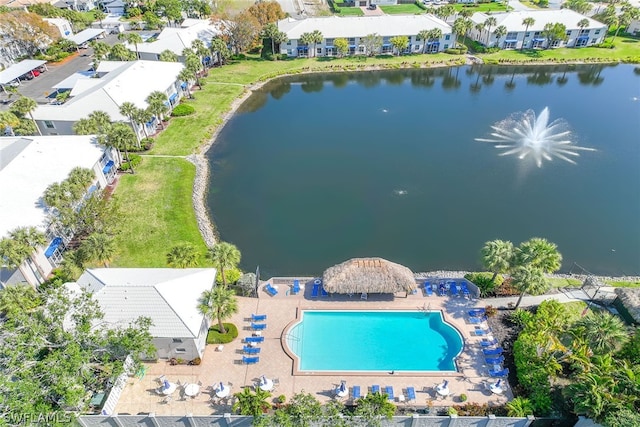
(628, 303)
(368, 275)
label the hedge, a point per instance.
(183, 110)
(215, 337)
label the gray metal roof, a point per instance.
(86, 35)
(169, 296)
(16, 70)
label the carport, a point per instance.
(15, 71)
(86, 35)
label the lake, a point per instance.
(316, 169)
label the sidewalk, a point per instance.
(529, 301)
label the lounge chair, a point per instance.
(355, 392)
(258, 317)
(254, 339)
(476, 320)
(481, 332)
(364, 296)
(375, 388)
(296, 287)
(389, 391)
(315, 291)
(258, 326)
(427, 288)
(250, 360)
(477, 312)
(494, 360)
(442, 290)
(251, 350)
(498, 373)
(488, 343)
(411, 394)
(492, 351)
(454, 289)
(270, 290)
(323, 292)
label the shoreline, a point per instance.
(199, 160)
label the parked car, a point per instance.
(42, 69)
(36, 73)
(372, 7)
(27, 76)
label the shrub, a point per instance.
(196, 361)
(183, 110)
(135, 161)
(452, 411)
(521, 317)
(456, 51)
(472, 409)
(490, 311)
(421, 5)
(215, 337)
(282, 398)
(463, 397)
(147, 143)
(484, 283)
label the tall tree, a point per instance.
(121, 137)
(554, 32)
(98, 247)
(270, 31)
(168, 56)
(498, 256)
(434, 35)
(182, 255)
(461, 26)
(128, 109)
(219, 303)
(527, 22)
(20, 245)
(581, 6)
(444, 12)
(157, 106)
(500, 32)
(424, 36)
(250, 403)
(225, 256)
(24, 105)
(539, 253)
(528, 280)
(375, 406)
(266, 12)
(200, 50)
(193, 64)
(143, 116)
(306, 39)
(400, 43)
(243, 31)
(372, 43)
(132, 38)
(488, 23)
(99, 16)
(18, 299)
(342, 46)
(187, 76)
(219, 49)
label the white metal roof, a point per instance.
(28, 165)
(72, 80)
(16, 70)
(513, 20)
(129, 82)
(86, 35)
(386, 26)
(169, 296)
(176, 39)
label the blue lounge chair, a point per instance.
(411, 394)
(258, 317)
(501, 373)
(492, 351)
(481, 332)
(251, 350)
(389, 391)
(296, 287)
(270, 290)
(355, 392)
(476, 320)
(315, 291)
(254, 339)
(258, 326)
(454, 289)
(375, 388)
(323, 292)
(488, 343)
(494, 360)
(477, 312)
(250, 360)
(427, 288)
(442, 290)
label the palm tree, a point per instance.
(27, 239)
(540, 254)
(500, 32)
(182, 255)
(316, 37)
(590, 394)
(143, 116)
(186, 76)
(253, 404)
(79, 180)
(24, 105)
(168, 56)
(200, 50)
(119, 52)
(129, 109)
(132, 38)
(424, 35)
(528, 280)
(17, 299)
(434, 35)
(157, 106)
(220, 303)
(269, 32)
(519, 407)
(101, 121)
(497, 256)
(444, 12)
(604, 332)
(488, 23)
(527, 22)
(99, 247)
(122, 138)
(193, 64)
(306, 39)
(461, 26)
(224, 256)
(219, 48)
(99, 16)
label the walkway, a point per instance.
(567, 295)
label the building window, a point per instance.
(447, 37)
(319, 50)
(329, 42)
(177, 340)
(289, 52)
(568, 32)
(446, 46)
(49, 124)
(597, 31)
(527, 34)
(288, 42)
(512, 36)
(181, 350)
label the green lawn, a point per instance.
(402, 9)
(351, 11)
(557, 282)
(483, 7)
(156, 202)
(623, 284)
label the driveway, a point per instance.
(516, 5)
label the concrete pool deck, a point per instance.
(472, 379)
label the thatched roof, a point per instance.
(630, 299)
(371, 275)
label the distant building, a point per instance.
(634, 27)
(168, 296)
(62, 25)
(77, 5)
(533, 37)
(355, 29)
(28, 165)
(117, 82)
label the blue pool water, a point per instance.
(374, 341)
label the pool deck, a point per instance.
(472, 379)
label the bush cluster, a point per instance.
(135, 161)
(456, 50)
(182, 110)
(215, 337)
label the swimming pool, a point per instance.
(327, 340)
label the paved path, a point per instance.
(516, 5)
(568, 295)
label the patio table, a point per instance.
(191, 390)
